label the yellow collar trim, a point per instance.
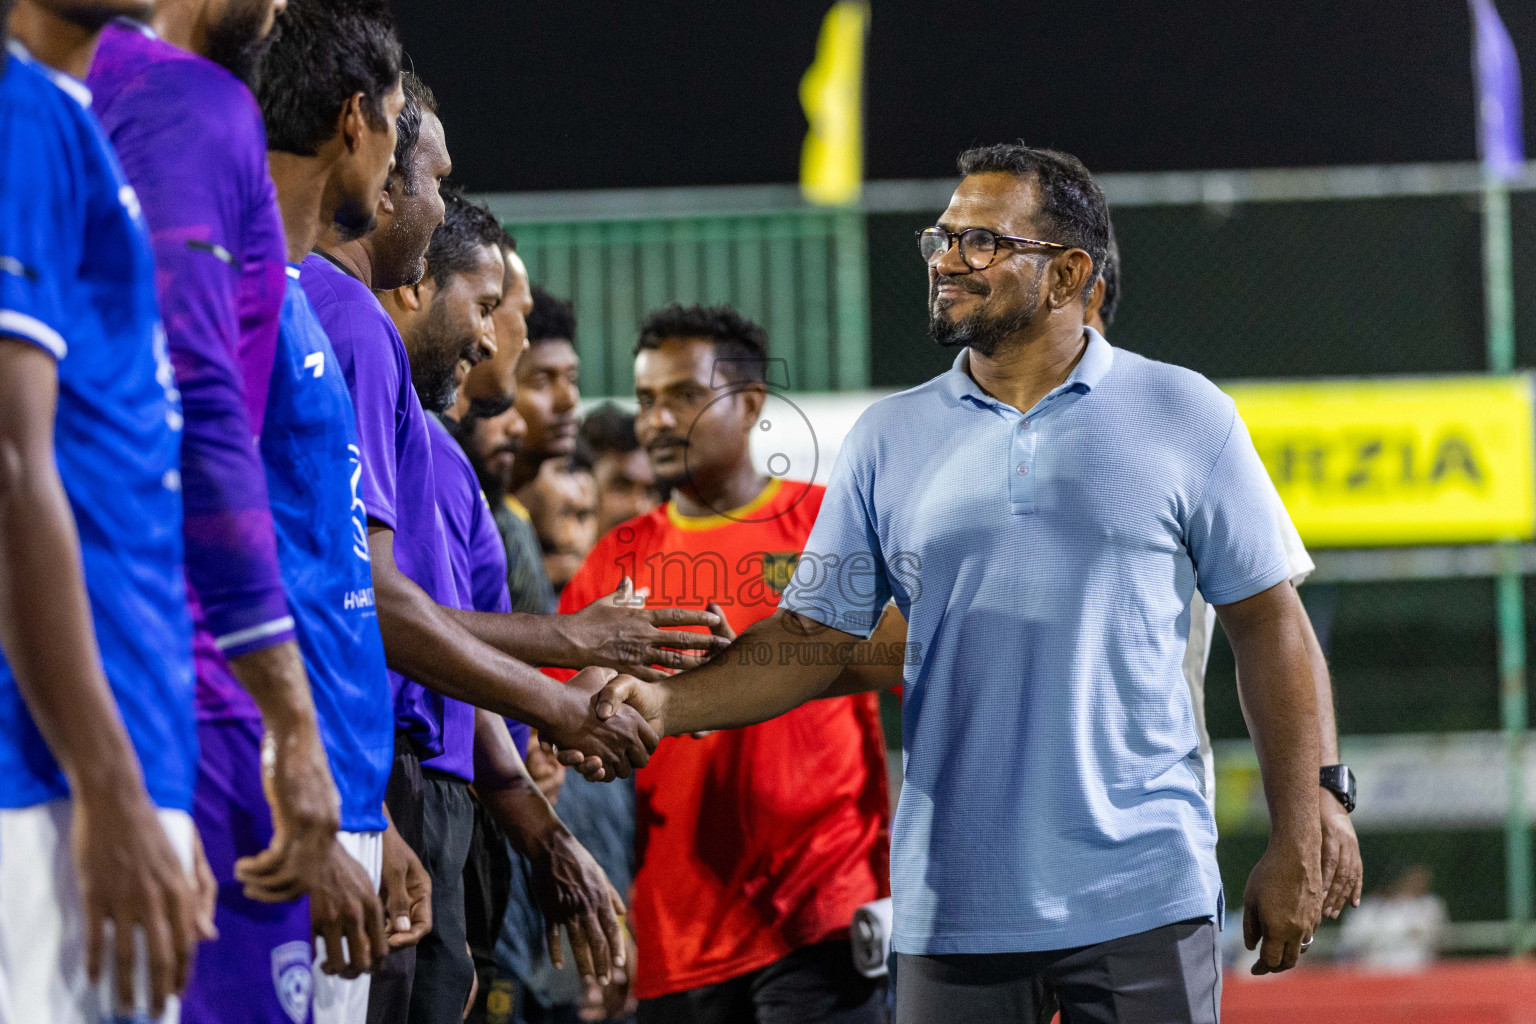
(516, 508)
(735, 515)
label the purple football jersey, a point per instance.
(397, 477)
(191, 142)
(479, 567)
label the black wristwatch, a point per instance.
(1340, 781)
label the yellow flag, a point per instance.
(832, 94)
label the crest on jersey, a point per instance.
(292, 979)
(778, 567)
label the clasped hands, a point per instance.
(616, 719)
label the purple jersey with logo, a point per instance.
(479, 563)
(397, 476)
(190, 139)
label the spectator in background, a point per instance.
(601, 816)
(1397, 929)
(626, 486)
(563, 501)
(548, 390)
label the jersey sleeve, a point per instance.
(42, 227)
(1231, 531)
(488, 560)
(840, 579)
(189, 182)
(1290, 538)
(375, 380)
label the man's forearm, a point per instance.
(424, 642)
(1278, 693)
(276, 680)
(879, 663)
(773, 667)
(535, 639)
(1328, 730)
(503, 785)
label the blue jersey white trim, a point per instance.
(34, 330)
(261, 632)
(68, 219)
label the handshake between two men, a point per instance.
(740, 681)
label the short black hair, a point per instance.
(609, 429)
(1072, 207)
(582, 458)
(741, 346)
(320, 53)
(551, 319)
(466, 229)
(1111, 275)
(419, 100)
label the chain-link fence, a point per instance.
(1261, 274)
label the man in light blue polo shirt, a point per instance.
(1042, 514)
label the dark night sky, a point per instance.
(602, 95)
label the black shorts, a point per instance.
(814, 985)
(434, 814)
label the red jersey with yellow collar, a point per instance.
(752, 842)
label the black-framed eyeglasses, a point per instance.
(978, 246)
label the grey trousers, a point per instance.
(1169, 975)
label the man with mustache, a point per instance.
(97, 736)
(777, 832)
(1042, 514)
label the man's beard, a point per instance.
(353, 220)
(983, 333)
(435, 362)
(236, 42)
(398, 258)
(463, 431)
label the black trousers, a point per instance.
(1167, 974)
(389, 994)
(434, 813)
(813, 985)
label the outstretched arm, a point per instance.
(615, 632)
(1283, 900)
(774, 666)
(424, 641)
(128, 873)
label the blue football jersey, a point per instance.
(77, 279)
(309, 446)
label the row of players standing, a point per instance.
(266, 517)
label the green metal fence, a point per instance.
(801, 273)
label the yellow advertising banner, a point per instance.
(1409, 461)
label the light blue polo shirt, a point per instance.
(1045, 563)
